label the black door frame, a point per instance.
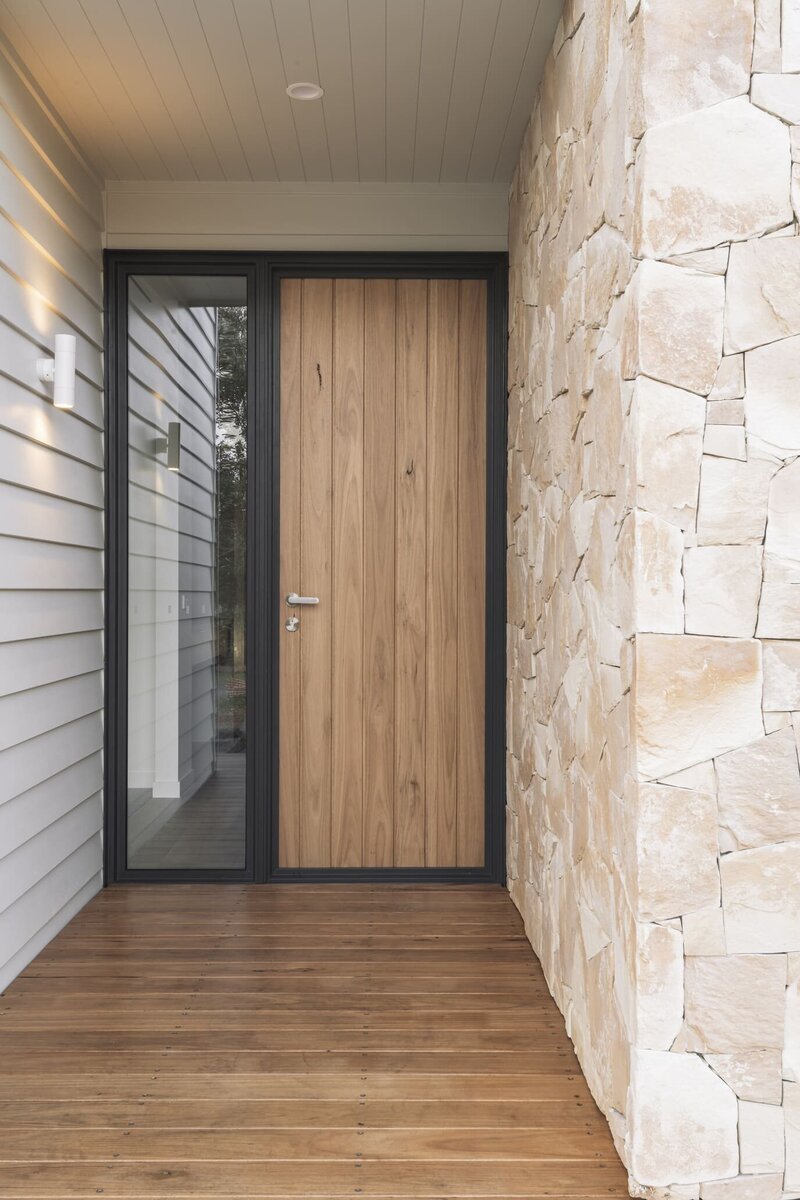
(264, 271)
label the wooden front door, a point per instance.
(383, 501)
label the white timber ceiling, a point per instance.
(415, 90)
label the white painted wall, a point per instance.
(51, 529)
(307, 216)
(172, 350)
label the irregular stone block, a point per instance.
(704, 932)
(729, 383)
(762, 299)
(778, 94)
(674, 326)
(725, 441)
(760, 1138)
(791, 1040)
(790, 37)
(720, 174)
(659, 986)
(725, 412)
(761, 900)
(791, 1104)
(767, 42)
(733, 501)
(783, 523)
(753, 1074)
(676, 1100)
(694, 698)
(669, 449)
(746, 1187)
(779, 610)
(650, 556)
(773, 381)
(723, 584)
(782, 676)
(689, 57)
(715, 261)
(676, 841)
(759, 792)
(735, 1003)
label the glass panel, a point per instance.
(187, 513)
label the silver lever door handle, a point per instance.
(294, 599)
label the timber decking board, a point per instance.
(335, 1067)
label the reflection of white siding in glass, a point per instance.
(172, 517)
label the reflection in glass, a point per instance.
(187, 509)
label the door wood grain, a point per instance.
(383, 500)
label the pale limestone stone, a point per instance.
(783, 522)
(659, 986)
(650, 555)
(791, 1040)
(723, 584)
(733, 501)
(676, 1101)
(795, 190)
(760, 1138)
(778, 94)
(781, 676)
(729, 383)
(775, 721)
(791, 1103)
(773, 381)
(767, 43)
(701, 778)
(670, 426)
(704, 932)
(753, 1074)
(725, 412)
(675, 326)
(794, 134)
(735, 1003)
(790, 35)
(759, 792)
(694, 698)
(746, 1187)
(690, 57)
(716, 175)
(725, 441)
(714, 262)
(762, 299)
(779, 610)
(676, 851)
(761, 900)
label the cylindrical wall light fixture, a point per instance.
(60, 371)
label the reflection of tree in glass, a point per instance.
(231, 433)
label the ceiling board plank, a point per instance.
(155, 46)
(257, 27)
(221, 28)
(184, 29)
(510, 46)
(87, 113)
(20, 45)
(115, 35)
(478, 25)
(439, 43)
(298, 51)
(367, 21)
(331, 37)
(544, 29)
(83, 44)
(404, 20)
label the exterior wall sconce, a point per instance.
(60, 371)
(171, 446)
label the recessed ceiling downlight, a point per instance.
(304, 91)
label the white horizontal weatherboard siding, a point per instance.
(51, 529)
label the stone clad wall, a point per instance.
(654, 577)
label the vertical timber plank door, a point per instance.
(383, 501)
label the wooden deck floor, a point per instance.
(294, 1041)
